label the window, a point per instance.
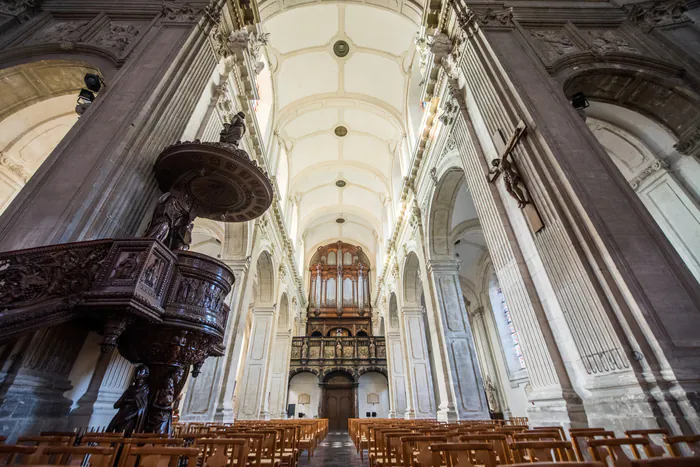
(511, 329)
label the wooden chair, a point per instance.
(557, 428)
(53, 441)
(393, 453)
(416, 449)
(269, 450)
(580, 438)
(676, 444)
(542, 451)
(463, 455)
(602, 449)
(657, 448)
(666, 462)
(157, 456)
(71, 434)
(103, 441)
(499, 442)
(223, 452)
(307, 442)
(144, 441)
(13, 454)
(93, 456)
(538, 435)
(149, 435)
(561, 464)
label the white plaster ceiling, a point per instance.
(316, 91)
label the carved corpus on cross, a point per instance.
(515, 186)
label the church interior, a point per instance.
(420, 233)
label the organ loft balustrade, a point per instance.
(327, 352)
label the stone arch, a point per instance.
(374, 369)
(265, 290)
(654, 89)
(329, 374)
(412, 286)
(297, 371)
(39, 100)
(440, 214)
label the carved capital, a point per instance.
(646, 173)
(16, 169)
(16, 7)
(690, 143)
(659, 13)
(494, 17)
(180, 12)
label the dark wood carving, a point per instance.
(159, 304)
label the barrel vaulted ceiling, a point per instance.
(317, 91)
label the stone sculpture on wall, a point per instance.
(554, 43)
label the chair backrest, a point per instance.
(557, 428)
(269, 444)
(157, 456)
(499, 442)
(77, 455)
(666, 462)
(542, 451)
(539, 435)
(655, 437)
(12, 454)
(581, 436)
(223, 452)
(46, 440)
(149, 435)
(463, 455)
(689, 443)
(158, 442)
(613, 448)
(102, 441)
(416, 449)
(393, 453)
(561, 464)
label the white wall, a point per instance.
(373, 382)
(306, 383)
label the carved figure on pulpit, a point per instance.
(511, 179)
(233, 132)
(160, 414)
(171, 217)
(183, 238)
(131, 415)
(338, 349)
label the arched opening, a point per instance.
(316, 334)
(373, 395)
(645, 133)
(393, 312)
(339, 332)
(338, 399)
(456, 235)
(39, 108)
(361, 334)
(264, 284)
(305, 395)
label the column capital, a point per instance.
(443, 266)
(263, 310)
(411, 309)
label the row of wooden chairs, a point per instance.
(427, 443)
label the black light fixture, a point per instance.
(93, 83)
(579, 101)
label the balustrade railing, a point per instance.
(331, 350)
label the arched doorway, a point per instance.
(338, 399)
(373, 395)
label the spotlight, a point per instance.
(86, 96)
(579, 102)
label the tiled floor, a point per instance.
(337, 450)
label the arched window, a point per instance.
(510, 343)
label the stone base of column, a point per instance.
(224, 415)
(33, 404)
(554, 408)
(447, 414)
(99, 414)
(410, 414)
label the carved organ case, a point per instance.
(339, 290)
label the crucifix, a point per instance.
(514, 184)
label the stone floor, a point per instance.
(337, 450)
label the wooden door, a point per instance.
(339, 406)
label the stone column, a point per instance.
(463, 376)
(279, 370)
(234, 346)
(617, 296)
(397, 374)
(486, 356)
(204, 395)
(254, 399)
(420, 384)
(111, 377)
